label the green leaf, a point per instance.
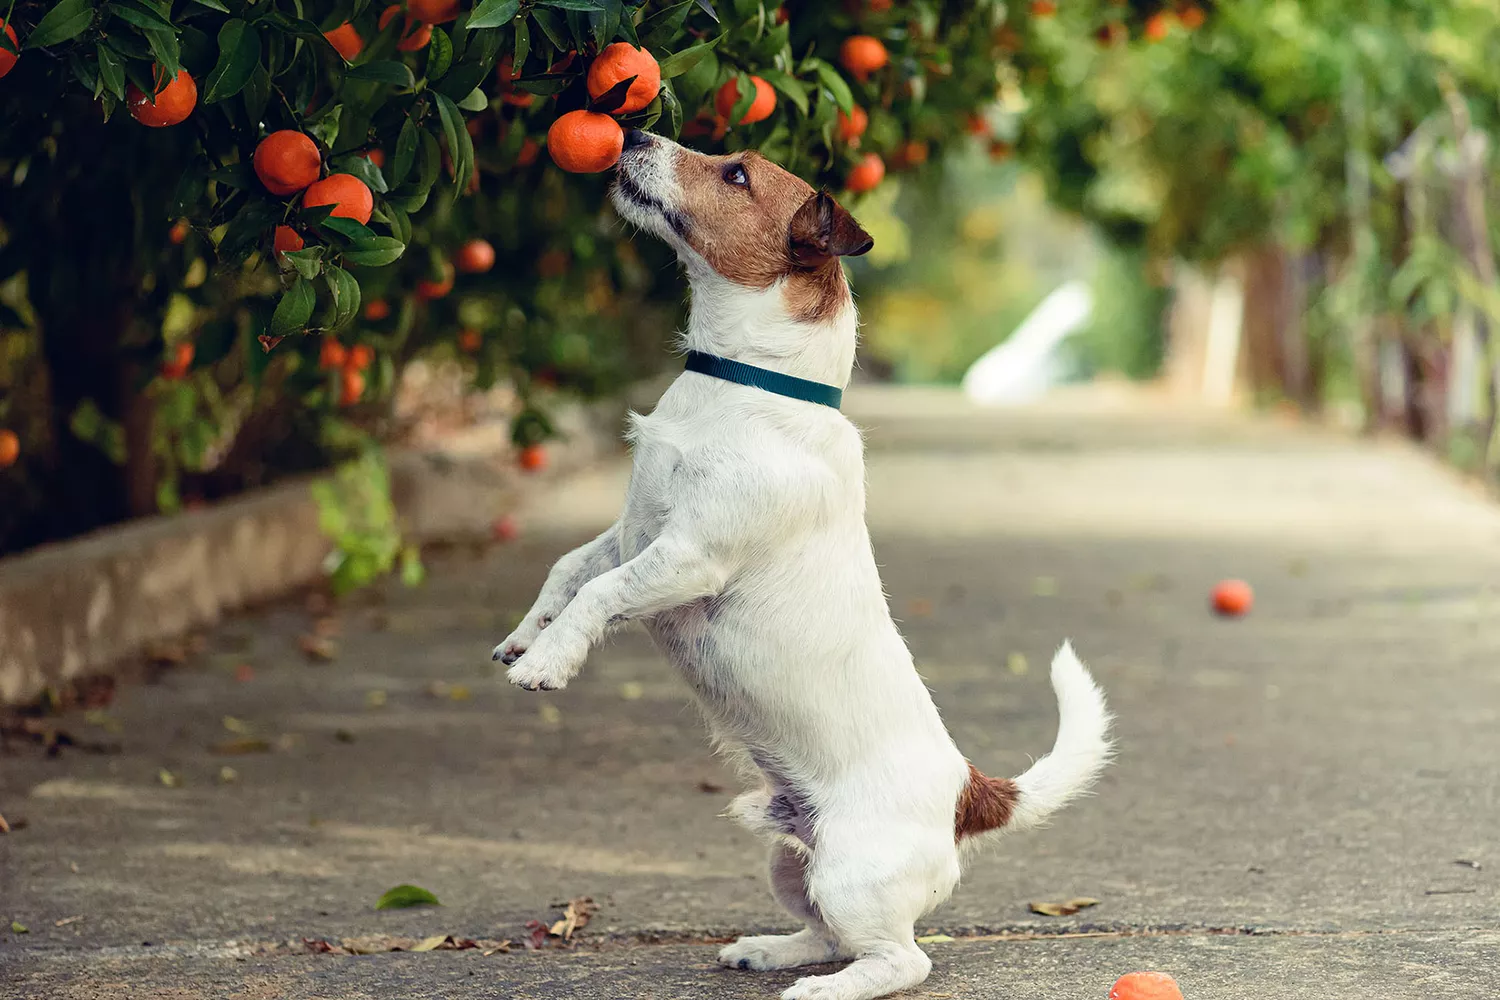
(141, 16)
(345, 292)
(493, 13)
(236, 175)
(460, 146)
(522, 47)
(400, 222)
(66, 20)
(307, 261)
(347, 228)
(257, 93)
(16, 927)
(585, 5)
(167, 50)
(430, 163)
(553, 27)
(406, 151)
(383, 71)
(213, 5)
(239, 56)
(835, 84)
(439, 55)
(794, 89)
(679, 63)
(673, 108)
(461, 79)
(111, 70)
(476, 101)
(365, 170)
(189, 189)
(375, 251)
(294, 309)
(403, 896)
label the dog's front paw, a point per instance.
(777, 951)
(549, 664)
(514, 646)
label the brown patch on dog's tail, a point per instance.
(984, 804)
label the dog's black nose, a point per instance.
(635, 137)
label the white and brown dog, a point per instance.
(743, 550)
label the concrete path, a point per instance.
(1293, 798)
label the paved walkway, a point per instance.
(1293, 796)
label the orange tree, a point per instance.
(227, 225)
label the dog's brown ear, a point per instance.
(822, 230)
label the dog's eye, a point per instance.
(735, 174)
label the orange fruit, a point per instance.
(428, 289)
(414, 34)
(1192, 19)
(533, 458)
(178, 234)
(345, 41)
(10, 445)
(433, 11)
(351, 387)
(1158, 26)
(348, 195)
(527, 154)
(182, 360)
(360, 357)
(332, 355)
(377, 310)
(621, 61)
(914, 153)
(876, 6)
(171, 105)
(1233, 598)
(7, 57)
(1145, 986)
(852, 126)
(867, 175)
(287, 161)
(285, 239)
(760, 108)
(862, 55)
(1043, 8)
(585, 142)
(475, 257)
(469, 341)
(377, 157)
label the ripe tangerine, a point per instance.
(360, 357)
(345, 41)
(377, 310)
(7, 57)
(287, 161)
(170, 105)
(760, 109)
(867, 175)
(348, 195)
(475, 257)
(533, 458)
(286, 239)
(585, 142)
(351, 387)
(414, 34)
(427, 289)
(469, 341)
(433, 11)
(619, 62)
(862, 55)
(332, 356)
(10, 448)
(853, 125)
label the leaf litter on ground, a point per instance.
(1065, 909)
(402, 896)
(576, 915)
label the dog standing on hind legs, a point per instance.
(743, 550)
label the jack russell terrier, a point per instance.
(743, 550)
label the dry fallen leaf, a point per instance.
(1053, 909)
(575, 918)
(431, 943)
(168, 778)
(65, 921)
(241, 746)
(239, 726)
(4, 826)
(536, 935)
(375, 699)
(228, 775)
(1016, 664)
(1082, 902)
(549, 713)
(935, 939)
(317, 647)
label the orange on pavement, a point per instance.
(1233, 598)
(1145, 986)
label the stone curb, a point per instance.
(89, 605)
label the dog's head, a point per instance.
(742, 219)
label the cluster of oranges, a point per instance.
(288, 162)
(415, 32)
(585, 141)
(350, 363)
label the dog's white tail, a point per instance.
(1081, 750)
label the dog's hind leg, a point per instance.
(870, 885)
(809, 946)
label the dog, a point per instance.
(743, 550)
